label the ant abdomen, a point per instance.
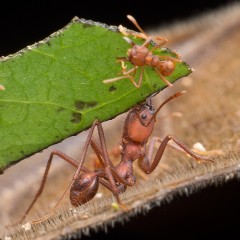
(166, 67)
(84, 188)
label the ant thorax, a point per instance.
(138, 54)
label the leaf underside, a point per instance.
(54, 88)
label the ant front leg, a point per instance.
(149, 166)
(109, 169)
(130, 74)
(68, 159)
(39, 192)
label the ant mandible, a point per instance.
(138, 127)
(141, 56)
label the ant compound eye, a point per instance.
(144, 116)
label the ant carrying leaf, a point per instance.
(140, 57)
(138, 128)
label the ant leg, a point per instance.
(163, 78)
(99, 154)
(157, 39)
(148, 167)
(202, 152)
(114, 79)
(85, 148)
(103, 155)
(106, 161)
(131, 78)
(173, 59)
(69, 160)
(131, 74)
(55, 207)
(126, 75)
(59, 201)
(39, 192)
(108, 166)
(146, 43)
(158, 139)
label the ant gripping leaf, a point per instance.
(137, 131)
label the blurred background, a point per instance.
(203, 214)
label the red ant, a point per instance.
(138, 127)
(141, 56)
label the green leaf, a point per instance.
(54, 88)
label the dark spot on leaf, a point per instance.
(60, 109)
(80, 105)
(48, 43)
(154, 86)
(91, 104)
(22, 152)
(76, 117)
(112, 88)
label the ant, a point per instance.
(137, 130)
(141, 56)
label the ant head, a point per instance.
(149, 105)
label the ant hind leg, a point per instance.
(163, 78)
(149, 166)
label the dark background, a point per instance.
(22, 23)
(207, 213)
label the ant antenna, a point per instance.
(167, 100)
(133, 20)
